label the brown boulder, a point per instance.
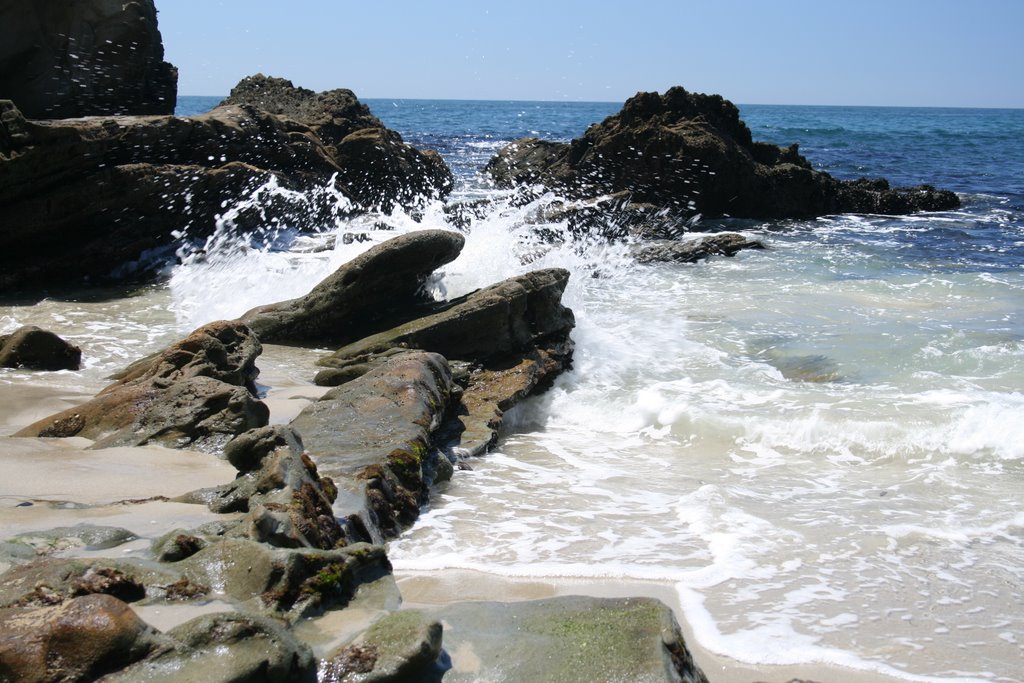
(194, 394)
(693, 250)
(80, 640)
(38, 349)
(363, 296)
(69, 58)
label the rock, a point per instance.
(288, 583)
(691, 154)
(85, 197)
(70, 58)
(401, 646)
(691, 251)
(87, 536)
(53, 581)
(37, 349)
(80, 640)
(372, 436)
(183, 397)
(226, 648)
(508, 317)
(288, 503)
(377, 167)
(566, 639)
(364, 295)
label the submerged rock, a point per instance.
(197, 394)
(566, 639)
(373, 290)
(37, 349)
(691, 251)
(691, 153)
(70, 58)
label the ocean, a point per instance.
(819, 448)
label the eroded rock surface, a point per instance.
(197, 393)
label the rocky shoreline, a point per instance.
(413, 390)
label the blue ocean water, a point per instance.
(819, 446)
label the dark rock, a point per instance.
(372, 436)
(691, 153)
(37, 349)
(226, 648)
(376, 166)
(83, 198)
(362, 296)
(566, 639)
(183, 397)
(511, 316)
(177, 545)
(80, 640)
(69, 58)
(691, 251)
(401, 646)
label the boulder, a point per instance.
(195, 394)
(373, 437)
(691, 154)
(401, 646)
(70, 58)
(377, 167)
(37, 349)
(372, 291)
(565, 639)
(226, 648)
(80, 640)
(508, 317)
(693, 250)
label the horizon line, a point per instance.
(620, 102)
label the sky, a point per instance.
(841, 52)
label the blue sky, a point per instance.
(852, 52)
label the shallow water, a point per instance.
(818, 447)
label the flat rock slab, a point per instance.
(565, 640)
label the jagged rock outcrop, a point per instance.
(691, 153)
(83, 198)
(197, 393)
(37, 349)
(70, 58)
(109, 198)
(373, 437)
(376, 166)
(374, 290)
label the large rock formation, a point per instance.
(68, 58)
(692, 154)
(198, 393)
(84, 197)
(376, 166)
(373, 290)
